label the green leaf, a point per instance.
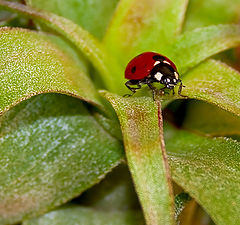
(114, 193)
(210, 120)
(77, 215)
(80, 38)
(181, 200)
(51, 150)
(214, 82)
(84, 13)
(193, 47)
(208, 169)
(141, 120)
(144, 25)
(31, 64)
(209, 12)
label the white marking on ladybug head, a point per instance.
(165, 61)
(157, 62)
(176, 75)
(158, 76)
(168, 80)
(174, 80)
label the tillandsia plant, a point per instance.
(61, 143)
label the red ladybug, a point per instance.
(150, 67)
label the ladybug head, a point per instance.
(170, 81)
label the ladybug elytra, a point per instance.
(151, 67)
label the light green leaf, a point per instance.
(84, 13)
(214, 82)
(146, 25)
(210, 120)
(208, 169)
(193, 47)
(141, 121)
(209, 12)
(31, 64)
(77, 215)
(107, 67)
(51, 150)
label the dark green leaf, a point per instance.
(211, 120)
(76, 215)
(51, 150)
(208, 169)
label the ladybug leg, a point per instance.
(180, 89)
(132, 89)
(153, 90)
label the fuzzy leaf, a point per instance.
(84, 13)
(31, 64)
(209, 12)
(77, 215)
(141, 120)
(144, 25)
(214, 82)
(51, 150)
(211, 120)
(193, 47)
(79, 37)
(208, 169)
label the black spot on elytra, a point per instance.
(133, 70)
(158, 58)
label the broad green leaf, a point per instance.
(141, 124)
(210, 120)
(77, 215)
(51, 150)
(208, 169)
(83, 41)
(193, 47)
(85, 13)
(115, 192)
(146, 25)
(209, 12)
(31, 64)
(214, 82)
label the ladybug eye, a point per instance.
(133, 70)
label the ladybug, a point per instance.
(150, 67)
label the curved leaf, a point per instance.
(210, 120)
(208, 169)
(144, 25)
(141, 124)
(84, 13)
(77, 215)
(51, 150)
(79, 37)
(214, 82)
(193, 47)
(31, 64)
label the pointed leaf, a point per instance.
(79, 37)
(193, 47)
(84, 13)
(143, 26)
(31, 64)
(214, 82)
(51, 150)
(77, 215)
(141, 120)
(208, 169)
